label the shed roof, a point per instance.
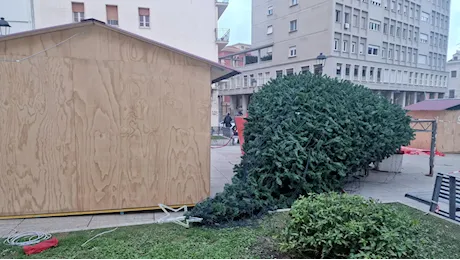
(218, 71)
(435, 105)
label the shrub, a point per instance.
(330, 225)
(306, 133)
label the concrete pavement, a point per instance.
(387, 187)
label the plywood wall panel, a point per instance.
(97, 129)
(37, 144)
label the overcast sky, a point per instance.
(237, 17)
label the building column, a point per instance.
(403, 103)
(233, 104)
(244, 104)
(415, 97)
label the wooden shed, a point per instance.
(447, 114)
(97, 119)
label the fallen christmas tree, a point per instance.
(305, 133)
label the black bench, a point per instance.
(446, 187)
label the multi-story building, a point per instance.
(191, 26)
(395, 47)
(453, 67)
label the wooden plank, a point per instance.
(37, 139)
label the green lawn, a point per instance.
(218, 137)
(173, 241)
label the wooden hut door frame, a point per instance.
(431, 126)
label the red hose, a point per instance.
(222, 146)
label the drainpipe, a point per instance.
(32, 13)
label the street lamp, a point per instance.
(4, 27)
(320, 63)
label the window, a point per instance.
(423, 38)
(393, 5)
(112, 14)
(293, 26)
(337, 16)
(384, 52)
(453, 74)
(425, 17)
(279, 73)
(339, 70)
(364, 72)
(353, 47)
(318, 69)
(421, 59)
(78, 10)
(336, 44)
(356, 71)
(404, 33)
(363, 22)
(361, 48)
(399, 8)
(385, 28)
(289, 72)
(292, 51)
(144, 17)
(405, 10)
(270, 10)
(390, 54)
(267, 77)
(431, 95)
(347, 18)
(398, 32)
(373, 50)
(294, 2)
(376, 2)
(392, 30)
(396, 55)
(452, 93)
(355, 20)
(403, 56)
(374, 25)
(305, 69)
(347, 70)
(440, 95)
(270, 29)
(345, 46)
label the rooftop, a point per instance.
(435, 105)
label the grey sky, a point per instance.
(237, 17)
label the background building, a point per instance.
(453, 67)
(395, 47)
(191, 26)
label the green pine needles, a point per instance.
(305, 134)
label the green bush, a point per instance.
(306, 133)
(330, 225)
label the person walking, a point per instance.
(228, 120)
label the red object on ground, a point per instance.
(416, 151)
(40, 247)
(240, 121)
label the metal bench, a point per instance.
(446, 187)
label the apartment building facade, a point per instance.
(395, 47)
(453, 68)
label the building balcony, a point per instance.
(241, 84)
(221, 7)
(222, 37)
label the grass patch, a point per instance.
(218, 137)
(173, 241)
